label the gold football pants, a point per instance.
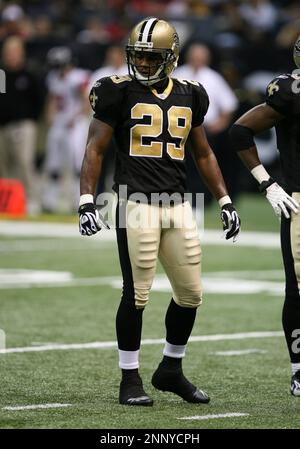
(170, 234)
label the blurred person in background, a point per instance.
(20, 108)
(114, 64)
(287, 35)
(67, 117)
(260, 15)
(12, 21)
(222, 105)
(94, 31)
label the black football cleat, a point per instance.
(174, 381)
(132, 393)
(295, 384)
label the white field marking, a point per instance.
(249, 274)
(22, 278)
(221, 415)
(17, 276)
(42, 245)
(155, 341)
(70, 230)
(253, 239)
(220, 285)
(34, 407)
(240, 352)
(2, 339)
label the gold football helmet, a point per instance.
(297, 52)
(160, 41)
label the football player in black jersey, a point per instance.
(151, 116)
(282, 110)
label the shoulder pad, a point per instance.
(195, 86)
(200, 92)
(106, 97)
(121, 80)
(104, 91)
(282, 84)
(112, 82)
(281, 91)
(187, 82)
(200, 89)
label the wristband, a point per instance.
(260, 174)
(265, 184)
(224, 200)
(86, 198)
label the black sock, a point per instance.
(291, 322)
(130, 374)
(171, 363)
(179, 323)
(129, 326)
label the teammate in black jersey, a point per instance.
(282, 110)
(151, 116)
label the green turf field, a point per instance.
(244, 295)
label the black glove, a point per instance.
(231, 221)
(90, 220)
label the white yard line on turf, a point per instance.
(224, 415)
(232, 284)
(209, 237)
(50, 244)
(34, 407)
(241, 352)
(113, 344)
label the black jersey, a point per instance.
(150, 130)
(283, 95)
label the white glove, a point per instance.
(278, 198)
(90, 220)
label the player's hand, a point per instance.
(231, 221)
(278, 198)
(90, 220)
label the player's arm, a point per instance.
(209, 169)
(99, 136)
(258, 119)
(207, 163)
(253, 122)
(105, 100)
